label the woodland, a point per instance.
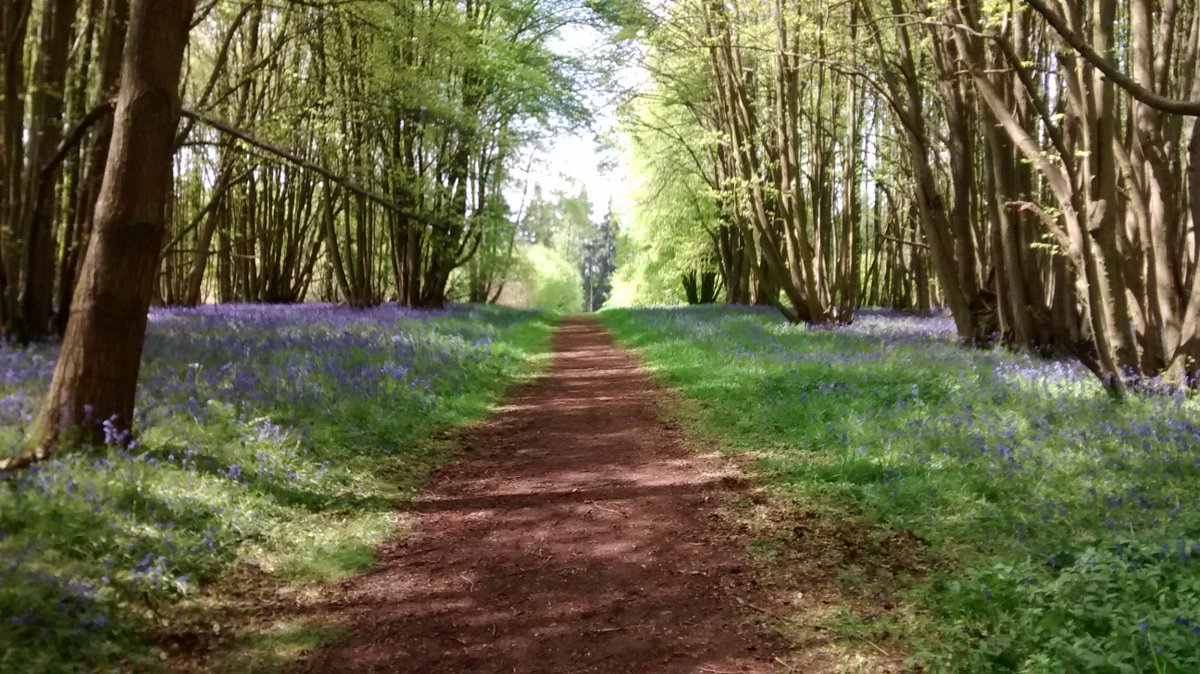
(929, 270)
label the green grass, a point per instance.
(1057, 530)
(281, 439)
(273, 649)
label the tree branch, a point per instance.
(75, 135)
(293, 158)
(1141, 93)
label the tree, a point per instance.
(539, 221)
(1121, 203)
(341, 151)
(679, 235)
(984, 156)
(96, 376)
(598, 263)
(776, 140)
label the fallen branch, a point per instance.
(876, 646)
(760, 609)
(23, 460)
(612, 629)
(611, 510)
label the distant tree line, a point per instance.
(564, 224)
(415, 111)
(1033, 166)
(180, 152)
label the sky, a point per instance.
(568, 161)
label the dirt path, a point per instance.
(575, 535)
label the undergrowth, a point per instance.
(284, 437)
(1063, 528)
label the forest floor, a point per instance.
(720, 492)
(576, 533)
(973, 510)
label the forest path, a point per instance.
(577, 533)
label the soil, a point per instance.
(578, 533)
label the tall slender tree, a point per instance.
(96, 376)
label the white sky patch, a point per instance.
(593, 158)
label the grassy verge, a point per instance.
(278, 437)
(1061, 529)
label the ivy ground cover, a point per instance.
(1062, 528)
(284, 436)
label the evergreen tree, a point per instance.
(599, 263)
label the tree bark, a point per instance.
(14, 23)
(96, 377)
(36, 293)
(96, 157)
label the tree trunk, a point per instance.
(36, 292)
(96, 157)
(14, 22)
(96, 377)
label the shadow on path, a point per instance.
(575, 534)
